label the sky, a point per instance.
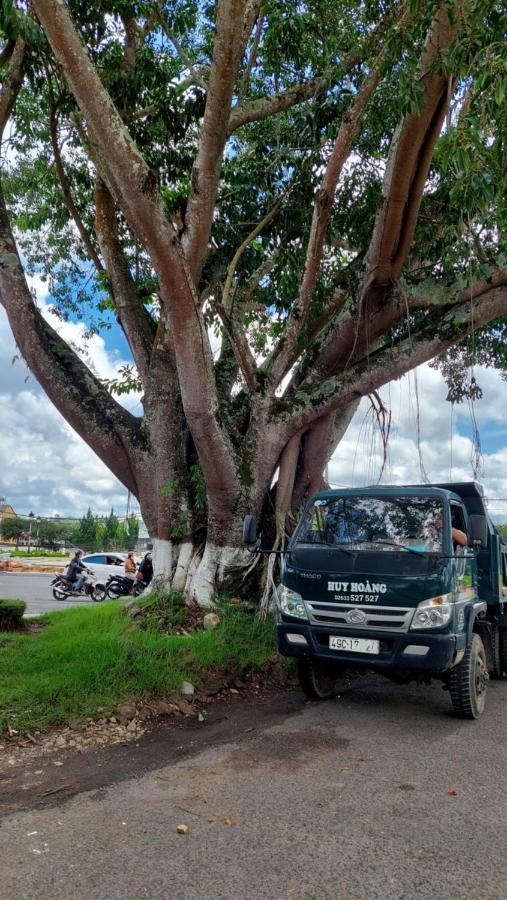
(45, 468)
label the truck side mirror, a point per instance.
(250, 528)
(478, 530)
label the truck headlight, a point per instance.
(433, 613)
(292, 604)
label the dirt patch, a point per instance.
(280, 748)
(23, 627)
(29, 780)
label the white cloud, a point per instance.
(45, 467)
(446, 449)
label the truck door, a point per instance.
(463, 561)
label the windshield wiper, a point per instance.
(399, 547)
(331, 546)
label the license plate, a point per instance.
(354, 645)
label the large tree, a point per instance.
(319, 186)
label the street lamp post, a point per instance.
(38, 527)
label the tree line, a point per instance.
(91, 532)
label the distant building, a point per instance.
(6, 510)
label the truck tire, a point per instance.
(317, 679)
(498, 666)
(503, 649)
(469, 681)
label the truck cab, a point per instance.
(409, 581)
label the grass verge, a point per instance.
(38, 554)
(91, 657)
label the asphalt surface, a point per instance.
(381, 793)
(36, 591)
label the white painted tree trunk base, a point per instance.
(182, 566)
(216, 564)
(162, 563)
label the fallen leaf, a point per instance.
(182, 829)
(228, 821)
(200, 717)
(453, 793)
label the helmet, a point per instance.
(130, 553)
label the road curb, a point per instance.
(31, 574)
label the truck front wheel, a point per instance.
(469, 681)
(317, 679)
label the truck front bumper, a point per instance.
(410, 650)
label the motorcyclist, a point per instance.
(145, 570)
(75, 567)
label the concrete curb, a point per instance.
(31, 574)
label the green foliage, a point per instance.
(111, 524)
(86, 531)
(199, 486)
(11, 529)
(11, 613)
(91, 657)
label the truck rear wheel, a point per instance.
(317, 679)
(469, 681)
(498, 666)
(503, 650)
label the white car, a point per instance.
(105, 564)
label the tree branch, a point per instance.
(251, 56)
(443, 329)
(241, 249)
(131, 313)
(409, 160)
(287, 351)
(11, 84)
(137, 193)
(257, 110)
(239, 345)
(227, 53)
(67, 193)
(195, 71)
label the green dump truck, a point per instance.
(378, 577)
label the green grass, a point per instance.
(38, 554)
(91, 657)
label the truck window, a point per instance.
(374, 523)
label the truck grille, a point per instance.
(381, 617)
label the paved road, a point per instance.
(381, 793)
(36, 591)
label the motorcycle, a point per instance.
(120, 586)
(91, 587)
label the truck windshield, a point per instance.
(385, 524)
